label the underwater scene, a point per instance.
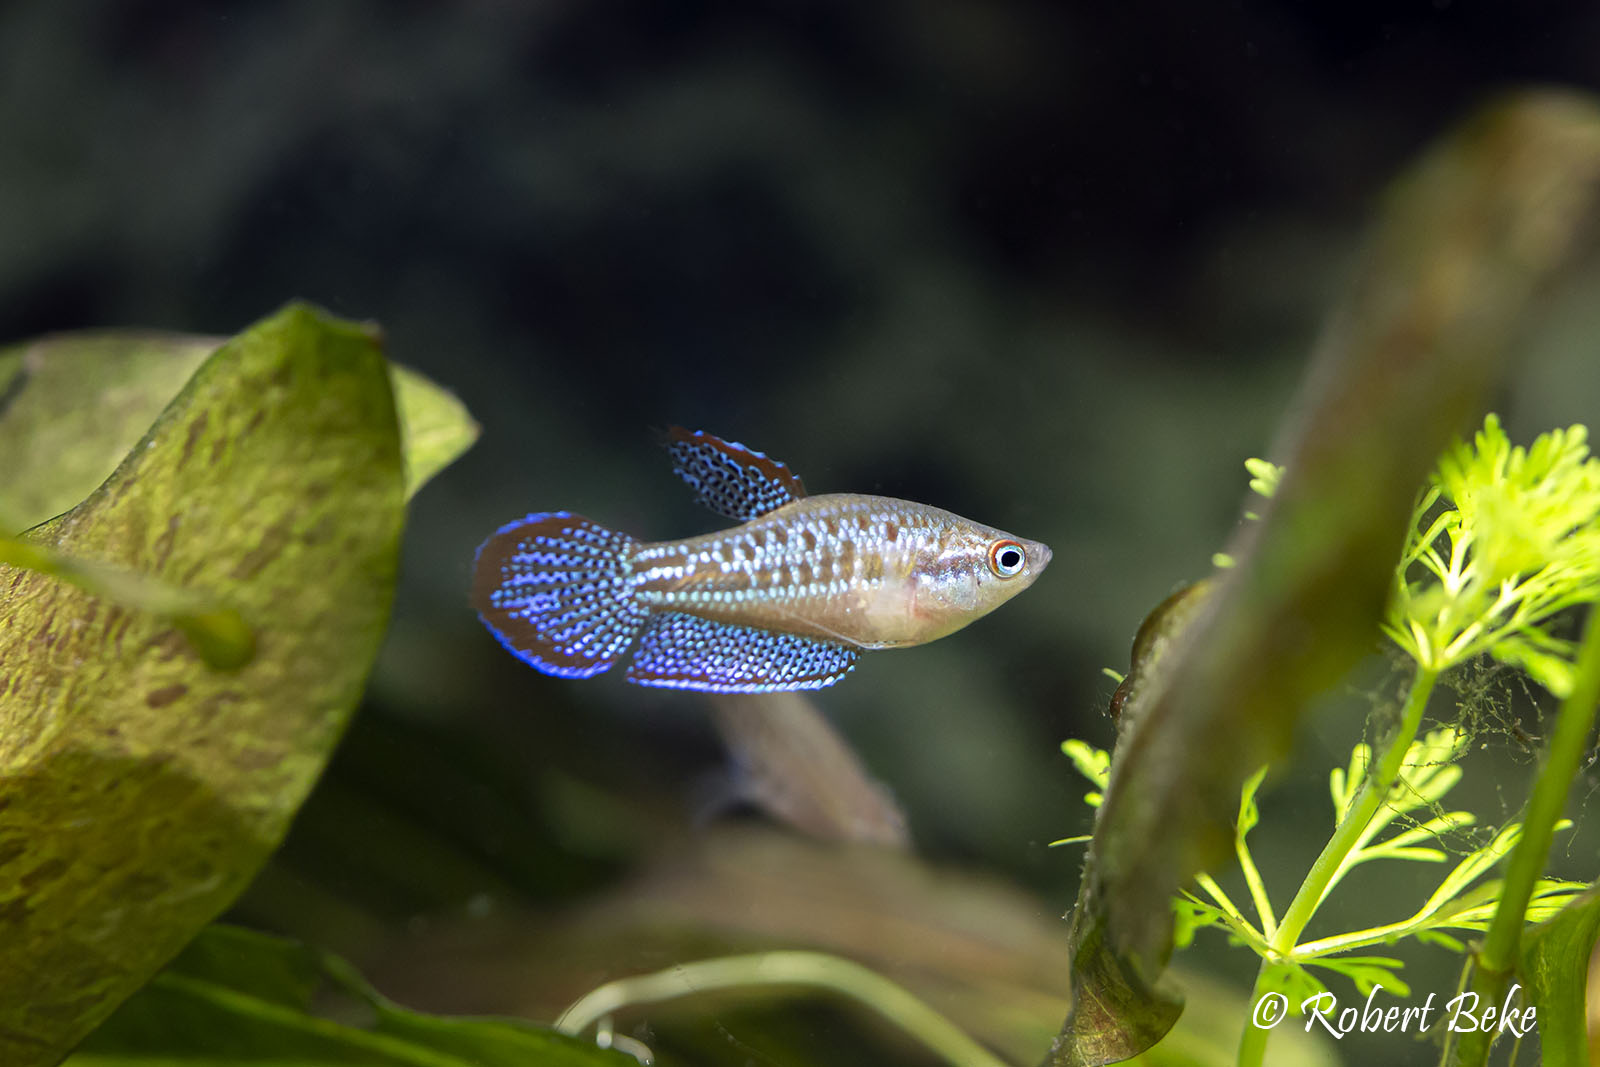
(990, 533)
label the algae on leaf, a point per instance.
(140, 790)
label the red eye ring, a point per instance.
(1007, 558)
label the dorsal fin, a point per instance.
(729, 478)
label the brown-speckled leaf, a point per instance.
(140, 790)
(1462, 244)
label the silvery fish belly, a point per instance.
(787, 600)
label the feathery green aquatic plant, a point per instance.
(1465, 240)
(1503, 540)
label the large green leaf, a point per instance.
(140, 790)
(1555, 964)
(1463, 244)
(239, 998)
(73, 404)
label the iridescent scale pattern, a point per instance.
(681, 651)
(729, 478)
(815, 567)
(555, 589)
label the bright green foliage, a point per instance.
(238, 997)
(139, 788)
(1264, 476)
(1093, 763)
(1461, 901)
(1503, 538)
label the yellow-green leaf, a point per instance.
(140, 790)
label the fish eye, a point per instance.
(1006, 558)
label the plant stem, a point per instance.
(1374, 791)
(217, 633)
(832, 973)
(1496, 960)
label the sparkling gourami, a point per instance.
(787, 600)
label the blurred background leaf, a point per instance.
(238, 997)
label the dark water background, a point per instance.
(1053, 266)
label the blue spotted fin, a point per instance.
(729, 478)
(682, 651)
(554, 589)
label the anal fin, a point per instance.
(681, 651)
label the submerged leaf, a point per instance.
(1555, 964)
(1462, 246)
(140, 790)
(235, 996)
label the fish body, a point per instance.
(785, 600)
(868, 571)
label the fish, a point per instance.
(786, 600)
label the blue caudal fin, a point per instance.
(687, 652)
(729, 478)
(554, 589)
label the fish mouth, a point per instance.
(1044, 554)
